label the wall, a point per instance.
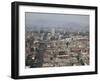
(5, 40)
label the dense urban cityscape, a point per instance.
(55, 48)
(55, 40)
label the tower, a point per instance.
(53, 31)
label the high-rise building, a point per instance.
(53, 31)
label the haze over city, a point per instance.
(70, 22)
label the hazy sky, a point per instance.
(55, 20)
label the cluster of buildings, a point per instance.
(56, 48)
